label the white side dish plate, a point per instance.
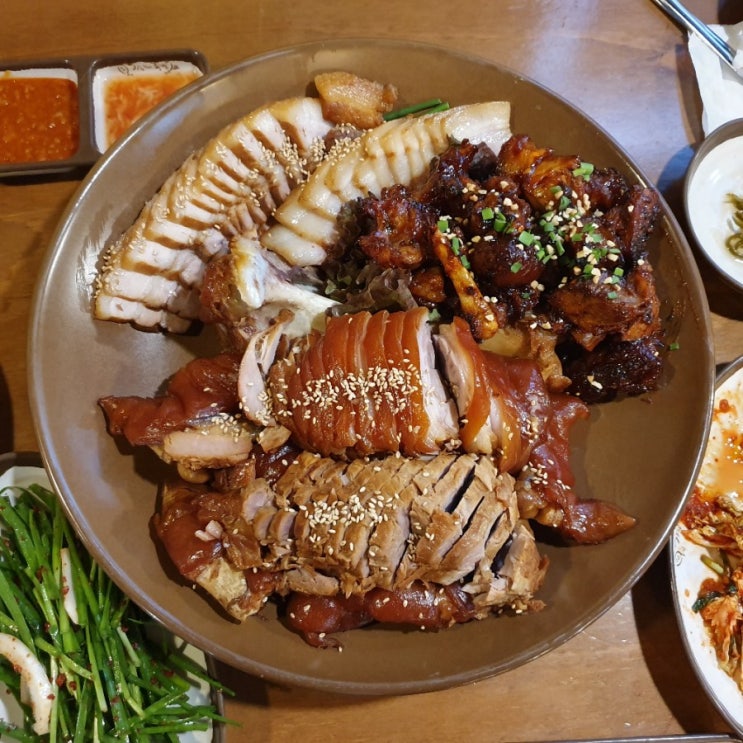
(23, 476)
(688, 571)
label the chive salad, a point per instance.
(105, 676)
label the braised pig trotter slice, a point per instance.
(347, 535)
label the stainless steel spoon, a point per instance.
(717, 44)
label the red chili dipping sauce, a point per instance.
(126, 99)
(39, 119)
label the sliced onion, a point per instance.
(33, 678)
(69, 600)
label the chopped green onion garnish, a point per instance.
(713, 565)
(499, 222)
(516, 267)
(487, 213)
(585, 170)
(430, 106)
(443, 106)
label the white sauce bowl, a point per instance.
(715, 172)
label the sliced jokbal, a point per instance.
(333, 529)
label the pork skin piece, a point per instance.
(504, 403)
(340, 529)
(215, 443)
(199, 392)
(349, 99)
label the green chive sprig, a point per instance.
(112, 679)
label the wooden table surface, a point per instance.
(623, 63)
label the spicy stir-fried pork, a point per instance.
(532, 240)
(412, 325)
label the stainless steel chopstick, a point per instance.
(717, 44)
(684, 738)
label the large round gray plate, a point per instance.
(642, 453)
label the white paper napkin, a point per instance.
(720, 88)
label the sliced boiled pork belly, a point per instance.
(305, 226)
(152, 273)
(427, 543)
